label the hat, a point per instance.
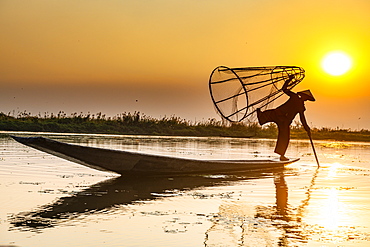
(308, 94)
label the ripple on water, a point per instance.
(46, 198)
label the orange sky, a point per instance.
(156, 56)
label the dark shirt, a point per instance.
(291, 107)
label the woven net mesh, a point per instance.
(238, 92)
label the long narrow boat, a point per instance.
(125, 162)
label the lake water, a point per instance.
(48, 201)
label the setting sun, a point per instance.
(336, 63)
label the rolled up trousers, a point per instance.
(283, 125)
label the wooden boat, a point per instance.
(125, 162)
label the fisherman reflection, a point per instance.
(281, 196)
(284, 115)
(234, 224)
(282, 205)
(281, 208)
(281, 215)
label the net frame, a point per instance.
(238, 87)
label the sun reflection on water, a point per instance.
(333, 170)
(330, 210)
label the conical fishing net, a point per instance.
(238, 92)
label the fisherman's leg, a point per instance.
(265, 116)
(283, 140)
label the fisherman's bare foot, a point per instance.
(283, 158)
(259, 116)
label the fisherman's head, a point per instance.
(306, 95)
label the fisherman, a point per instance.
(284, 115)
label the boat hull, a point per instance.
(125, 162)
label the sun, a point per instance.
(336, 63)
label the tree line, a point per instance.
(139, 124)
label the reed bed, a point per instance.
(140, 124)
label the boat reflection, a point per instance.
(106, 195)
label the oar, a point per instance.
(313, 148)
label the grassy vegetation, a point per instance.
(139, 124)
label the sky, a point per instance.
(156, 56)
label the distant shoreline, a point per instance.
(139, 124)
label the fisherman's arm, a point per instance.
(304, 123)
(286, 84)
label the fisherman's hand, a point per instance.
(286, 83)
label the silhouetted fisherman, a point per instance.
(284, 115)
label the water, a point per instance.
(47, 201)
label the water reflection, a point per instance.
(238, 222)
(275, 225)
(106, 195)
(334, 210)
(329, 206)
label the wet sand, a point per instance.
(49, 201)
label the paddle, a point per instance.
(313, 148)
